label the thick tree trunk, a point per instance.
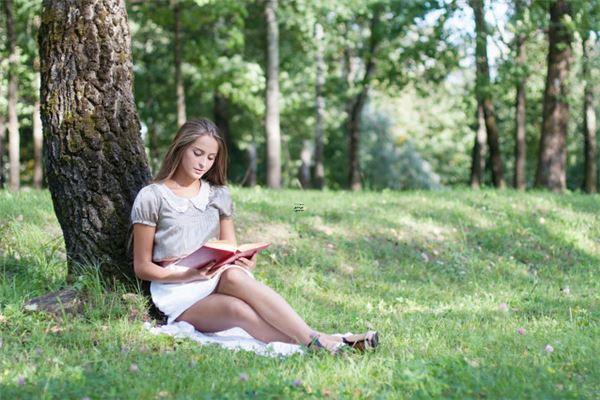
(93, 154)
(319, 175)
(484, 95)
(590, 183)
(520, 150)
(13, 122)
(478, 154)
(551, 168)
(272, 98)
(179, 88)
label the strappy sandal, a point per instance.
(362, 341)
(315, 343)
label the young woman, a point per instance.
(187, 205)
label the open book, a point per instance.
(220, 252)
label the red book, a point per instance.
(220, 252)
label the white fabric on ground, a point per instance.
(234, 339)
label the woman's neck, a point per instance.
(184, 182)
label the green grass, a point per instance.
(428, 270)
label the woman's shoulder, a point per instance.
(149, 192)
(219, 190)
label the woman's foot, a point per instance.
(362, 341)
(321, 341)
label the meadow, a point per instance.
(476, 294)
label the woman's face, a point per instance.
(199, 157)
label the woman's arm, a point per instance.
(227, 231)
(145, 269)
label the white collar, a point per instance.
(181, 204)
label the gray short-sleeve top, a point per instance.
(182, 224)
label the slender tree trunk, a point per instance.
(179, 88)
(13, 122)
(272, 98)
(154, 151)
(478, 154)
(520, 150)
(305, 161)
(551, 168)
(2, 136)
(221, 115)
(319, 177)
(37, 138)
(93, 154)
(356, 107)
(589, 121)
(36, 119)
(484, 95)
(250, 176)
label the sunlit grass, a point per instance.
(468, 290)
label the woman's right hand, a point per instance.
(203, 274)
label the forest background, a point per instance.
(386, 91)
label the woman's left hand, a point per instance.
(248, 263)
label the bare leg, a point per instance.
(218, 312)
(269, 305)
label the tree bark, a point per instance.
(179, 88)
(272, 98)
(319, 175)
(93, 154)
(590, 183)
(484, 95)
(519, 181)
(551, 168)
(478, 154)
(13, 122)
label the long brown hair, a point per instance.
(186, 135)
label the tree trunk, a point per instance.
(484, 95)
(93, 154)
(2, 136)
(520, 150)
(272, 98)
(250, 176)
(319, 176)
(551, 168)
(356, 107)
(13, 122)
(589, 121)
(221, 115)
(478, 154)
(37, 138)
(305, 161)
(179, 88)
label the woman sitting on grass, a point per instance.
(187, 205)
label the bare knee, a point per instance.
(239, 310)
(232, 279)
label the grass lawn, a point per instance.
(475, 295)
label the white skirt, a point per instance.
(174, 298)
